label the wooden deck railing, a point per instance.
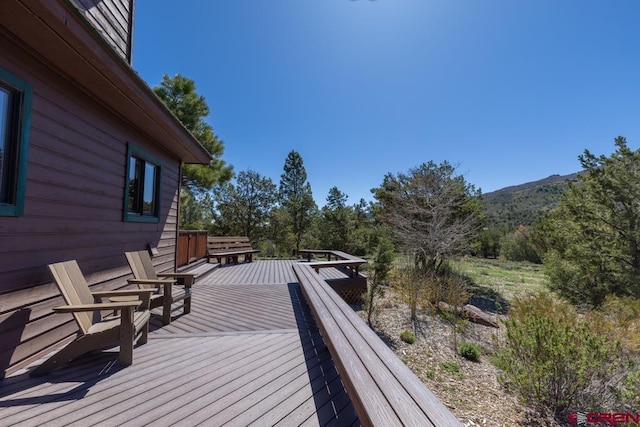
(383, 390)
(192, 246)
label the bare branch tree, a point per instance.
(434, 213)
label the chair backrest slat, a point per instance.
(142, 266)
(74, 290)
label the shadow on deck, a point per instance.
(248, 353)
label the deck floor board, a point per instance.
(249, 352)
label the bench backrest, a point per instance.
(221, 244)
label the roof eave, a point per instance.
(58, 33)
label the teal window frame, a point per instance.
(134, 210)
(17, 128)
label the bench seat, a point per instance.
(230, 248)
(310, 252)
(352, 265)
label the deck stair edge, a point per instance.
(200, 268)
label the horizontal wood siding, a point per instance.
(113, 20)
(73, 208)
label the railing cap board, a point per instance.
(370, 370)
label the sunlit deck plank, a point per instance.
(248, 352)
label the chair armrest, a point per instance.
(100, 306)
(185, 279)
(143, 294)
(122, 292)
(176, 274)
(150, 281)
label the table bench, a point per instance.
(230, 248)
(309, 253)
(342, 259)
(382, 389)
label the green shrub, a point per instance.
(452, 367)
(552, 357)
(619, 318)
(518, 246)
(408, 337)
(469, 350)
(631, 385)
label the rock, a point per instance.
(475, 315)
(471, 313)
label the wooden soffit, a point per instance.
(57, 32)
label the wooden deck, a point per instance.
(249, 353)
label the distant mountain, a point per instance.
(525, 203)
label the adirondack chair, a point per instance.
(101, 333)
(145, 277)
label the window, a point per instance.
(142, 201)
(15, 109)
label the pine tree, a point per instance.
(296, 197)
(591, 243)
(179, 94)
(245, 207)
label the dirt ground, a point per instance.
(473, 393)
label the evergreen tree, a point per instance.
(488, 242)
(179, 94)
(336, 219)
(591, 243)
(519, 247)
(195, 213)
(296, 197)
(279, 232)
(245, 207)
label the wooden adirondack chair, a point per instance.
(145, 277)
(97, 334)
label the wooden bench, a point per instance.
(383, 390)
(309, 253)
(342, 259)
(230, 248)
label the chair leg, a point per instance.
(167, 300)
(187, 282)
(166, 311)
(144, 333)
(187, 305)
(127, 336)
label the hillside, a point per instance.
(525, 203)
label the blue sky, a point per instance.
(509, 91)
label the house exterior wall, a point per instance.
(74, 202)
(113, 19)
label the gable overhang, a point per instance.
(56, 32)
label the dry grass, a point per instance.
(470, 389)
(508, 278)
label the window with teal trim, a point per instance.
(142, 201)
(15, 110)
